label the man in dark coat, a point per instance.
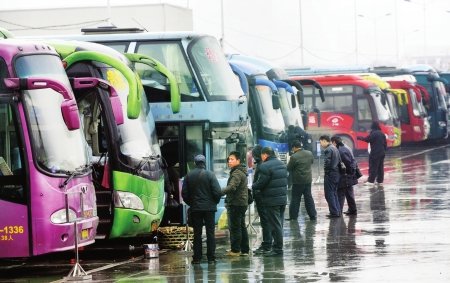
(299, 168)
(272, 185)
(201, 191)
(266, 243)
(345, 187)
(237, 203)
(378, 145)
(332, 175)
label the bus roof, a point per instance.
(108, 36)
(327, 80)
(11, 47)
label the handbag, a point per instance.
(358, 173)
(250, 196)
(342, 168)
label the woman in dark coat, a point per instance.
(378, 145)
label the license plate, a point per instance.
(84, 234)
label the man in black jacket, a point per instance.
(201, 191)
(332, 175)
(272, 185)
(378, 145)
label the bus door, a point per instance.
(179, 142)
(15, 232)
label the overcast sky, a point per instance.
(331, 32)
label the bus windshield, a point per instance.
(53, 143)
(392, 105)
(213, 71)
(383, 113)
(418, 108)
(291, 115)
(271, 118)
(137, 137)
(441, 95)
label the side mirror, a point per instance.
(305, 119)
(69, 108)
(116, 104)
(275, 101)
(293, 101)
(134, 95)
(319, 116)
(175, 96)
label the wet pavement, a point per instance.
(401, 234)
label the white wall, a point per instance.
(157, 17)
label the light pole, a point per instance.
(356, 32)
(375, 33)
(302, 58)
(424, 7)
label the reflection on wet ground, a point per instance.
(401, 234)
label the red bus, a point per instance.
(351, 104)
(413, 115)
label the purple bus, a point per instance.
(46, 189)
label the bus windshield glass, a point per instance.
(383, 113)
(216, 77)
(418, 108)
(441, 95)
(290, 114)
(272, 119)
(171, 55)
(392, 105)
(53, 143)
(137, 137)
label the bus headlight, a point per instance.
(417, 129)
(59, 216)
(127, 200)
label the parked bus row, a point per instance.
(412, 102)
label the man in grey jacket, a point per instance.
(299, 168)
(201, 191)
(331, 179)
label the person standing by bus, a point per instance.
(266, 243)
(299, 168)
(378, 146)
(345, 187)
(272, 185)
(201, 191)
(236, 203)
(332, 175)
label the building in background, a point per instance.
(57, 21)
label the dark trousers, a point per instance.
(238, 229)
(299, 190)
(200, 218)
(376, 168)
(275, 219)
(330, 191)
(347, 193)
(266, 235)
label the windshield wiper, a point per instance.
(78, 171)
(144, 161)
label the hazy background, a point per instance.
(294, 33)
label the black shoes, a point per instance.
(195, 261)
(350, 213)
(332, 216)
(291, 219)
(260, 251)
(274, 254)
